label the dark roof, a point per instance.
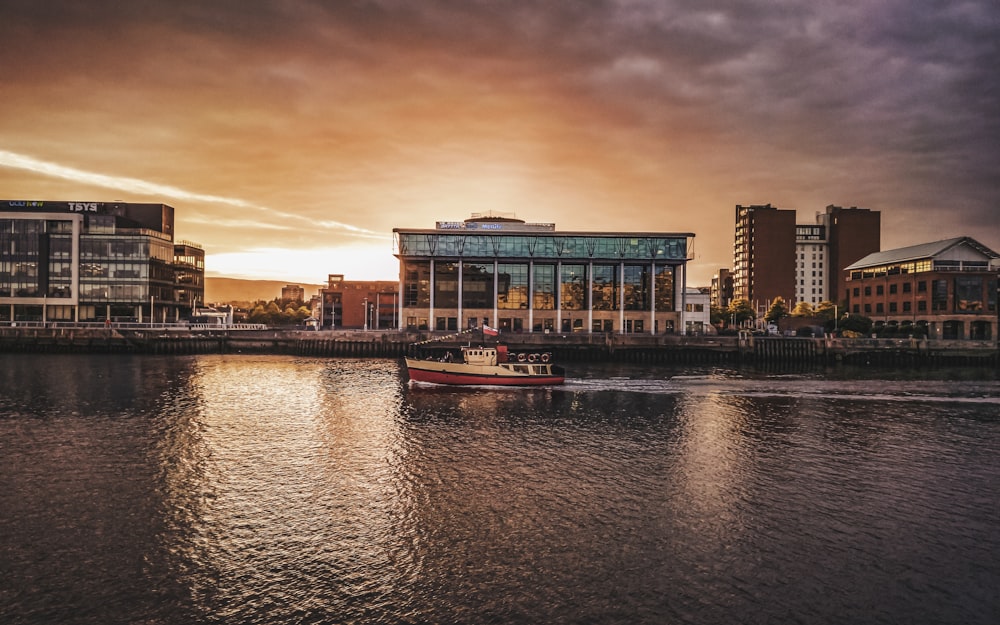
(920, 252)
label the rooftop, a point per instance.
(920, 252)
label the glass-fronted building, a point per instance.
(95, 261)
(522, 277)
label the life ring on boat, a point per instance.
(521, 357)
(532, 357)
(546, 357)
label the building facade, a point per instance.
(95, 262)
(811, 265)
(293, 292)
(948, 287)
(722, 289)
(523, 277)
(764, 257)
(698, 311)
(358, 305)
(800, 263)
(852, 233)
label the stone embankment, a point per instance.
(663, 349)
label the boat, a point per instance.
(487, 366)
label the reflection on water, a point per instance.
(275, 489)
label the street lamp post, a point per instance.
(364, 305)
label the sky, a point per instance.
(293, 136)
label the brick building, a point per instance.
(949, 287)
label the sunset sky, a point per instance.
(292, 136)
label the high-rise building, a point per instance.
(95, 262)
(764, 255)
(814, 271)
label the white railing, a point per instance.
(132, 325)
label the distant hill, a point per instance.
(224, 290)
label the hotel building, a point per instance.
(95, 261)
(949, 287)
(523, 277)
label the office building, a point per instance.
(949, 287)
(523, 277)
(358, 304)
(95, 262)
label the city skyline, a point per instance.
(292, 138)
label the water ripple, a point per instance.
(248, 489)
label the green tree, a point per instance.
(777, 310)
(741, 311)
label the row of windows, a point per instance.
(961, 294)
(521, 286)
(544, 246)
(516, 324)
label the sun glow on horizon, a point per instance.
(310, 266)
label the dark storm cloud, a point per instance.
(885, 104)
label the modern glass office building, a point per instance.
(524, 277)
(95, 261)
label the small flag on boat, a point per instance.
(488, 331)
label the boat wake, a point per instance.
(987, 393)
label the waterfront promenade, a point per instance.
(189, 339)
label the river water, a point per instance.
(271, 489)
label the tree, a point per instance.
(803, 309)
(741, 311)
(826, 309)
(719, 317)
(857, 324)
(777, 310)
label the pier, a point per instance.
(662, 349)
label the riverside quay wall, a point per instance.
(664, 349)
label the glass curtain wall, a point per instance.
(417, 284)
(512, 286)
(543, 289)
(604, 294)
(664, 280)
(573, 287)
(445, 285)
(636, 287)
(20, 255)
(477, 285)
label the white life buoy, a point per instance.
(521, 357)
(546, 357)
(532, 357)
